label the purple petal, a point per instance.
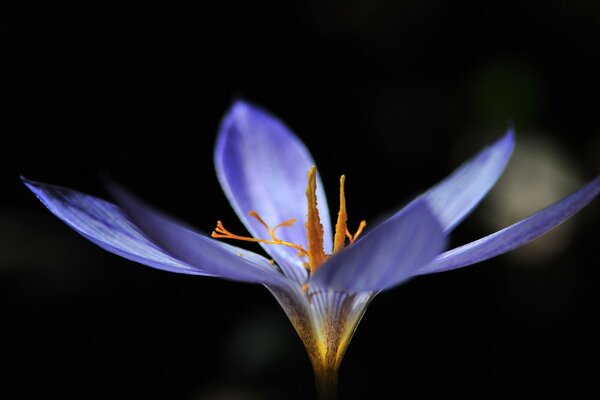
(262, 166)
(215, 257)
(388, 255)
(107, 226)
(515, 235)
(456, 196)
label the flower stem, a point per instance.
(326, 378)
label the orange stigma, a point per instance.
(314, 229)
(221, 233)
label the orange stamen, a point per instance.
(221, 233)
(339, 239)
(288, 222)
(255, 215)
(314, 229)
(361, 227)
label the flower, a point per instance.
(322, 276)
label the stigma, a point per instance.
(314, 253)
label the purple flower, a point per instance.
(322, 275)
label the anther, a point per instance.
(341, 228)
(352, 237)
(314, 229)
(221, 233)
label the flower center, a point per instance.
(314, 229)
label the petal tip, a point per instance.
(517, 234)
(34, 186)
(510, 132)
(240, 107)
(27, 181)
(236, 115)
(508, 139)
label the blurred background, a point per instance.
(394, 94)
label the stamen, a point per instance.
(348, 234)
(339, 239)
(289, 222)
(314, 229)
(361, 227)
(221, 233)
(255, 215)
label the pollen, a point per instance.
(314, 250)
(341, 227)
(314, 228)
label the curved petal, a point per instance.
(456, 196)
(215, 257)
(262, 166)
(388, 255)
(515, 235)
(107, 226)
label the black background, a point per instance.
(394, 94)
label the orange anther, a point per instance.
(352, 237)
(314, 229)
(340, 227)
(221, 233)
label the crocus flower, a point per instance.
(322, 275)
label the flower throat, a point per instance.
(314, 229)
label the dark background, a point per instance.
(394, 94)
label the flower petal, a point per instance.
(388, 255)
(515, 235)
(456, 196)
(262, 166)
(217, 258)
(107, 226)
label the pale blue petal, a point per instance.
(515, 235)
(107, 226)
(388, 255)
(216, 257)
(262, 166)
(456, 196)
